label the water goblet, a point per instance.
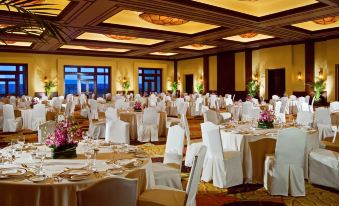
(21, 142)
(41, 155)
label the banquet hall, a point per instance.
(169, 102)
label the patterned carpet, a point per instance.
(243, 195)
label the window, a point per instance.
(13, 79)
(150, 80)
(87, 79)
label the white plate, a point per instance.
(12, 171)
(38, 178)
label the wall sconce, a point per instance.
(201, 79)
(256, 77)
(45, 79)
(299, 75)
(321, 74)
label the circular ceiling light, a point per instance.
(119, 37)
(9, 42)
(327, 20)
(197, 45)
(162, 20)
(248, 35)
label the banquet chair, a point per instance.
(111, 114)
(68, 109)
(168, 173)
(38, 116)
(335, 127)
(56, 104)
(10, 123)
(214, 102)
(247, 108)
(324, 168)
(198, 106)
(305, 107)
(311, 105)
(108, 192)
(334, 106)
(44, 130)
(148, 129)
(322, 121)
(12, 101)
(305, 118)
(93, 114)
(211, 116)
(284, 172)
(223, 167)
(307, 99)
(117, 131)
(162, 195)
(228, 100)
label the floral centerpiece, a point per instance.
(137, 106)
(125, 84)
(266, 119)
(63, 142)
(34, 102)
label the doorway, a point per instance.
(189, 83)
(150, 80)
(276, 82)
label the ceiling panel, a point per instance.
(258, 8)
(198, 47)
(16, 43)
(131, 18)
(312, 26)
(93, 48)
(244, 40)
(103, 37)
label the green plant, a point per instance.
(126, 85)
(200, 88)
(33, 24)
(253, 87)
(49, 85)
(319, 86)
(174, 87)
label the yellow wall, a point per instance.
(326, 57)
(290, 57)
(52, 66)
(213, 73)
(240, 84)
(190, 66)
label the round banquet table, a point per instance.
(56, 191)
(240, 138)
(135, 118)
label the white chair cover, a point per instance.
(68, 109)
(284, 172)
(38, 116)
(117, 132)
(10, 123)
(247, 108)
(334, 106)
(12, 101)
(93, 109)
(324, 168)
(305, 118)
(148, 129)
(111, 114)
(44, 130)
(164, 173)
(322, 121)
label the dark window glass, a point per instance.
(13, 79)
(150, 80)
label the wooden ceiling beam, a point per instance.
(330, 2)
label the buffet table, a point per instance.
(19, 184)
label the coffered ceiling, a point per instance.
(176, 29)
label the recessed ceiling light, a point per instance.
(162, 20)
(326, 20)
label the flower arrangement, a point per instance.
(253, 88)
(125, 84)
(34, 102)
(63, 141)
(137, 106)
(200, 87)
(174, 87)
(49, 85)
(266, 119)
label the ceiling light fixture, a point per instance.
(248, 35)
(4, 26)
(10, 42)
(119, 37)
(162, 20)
(197, 45)
(95, 47)
(327, 20)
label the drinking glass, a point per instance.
(41, 155)
(88, 152)
(21, 142)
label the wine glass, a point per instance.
(41, 155)
(21, 142)
(88, 152)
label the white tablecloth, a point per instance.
(24, 192)
(232, 140)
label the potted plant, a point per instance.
(266, 119)
(253, 88)
(200, 87)
(49, 85)
(63, 142)
(125, 84)
(319, 87)
(174, 87)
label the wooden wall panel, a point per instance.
(206, 70)
(248, 65)
(309, 63)
(175, 71)
(226, 73)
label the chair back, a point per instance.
(288, 153)
(108, 192)
(334, 106)
(111, 114)
(45, 129)
(150, 116)
(305, 118)
(174, 145)
(211, 116)
(117, 132)
(8, 111)
(277, 107)
(247, 108)
(194, 179)
(39, 111)
(322, 115)
(214, 147)
(68, 109)
(205, 127)
(12, 101)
